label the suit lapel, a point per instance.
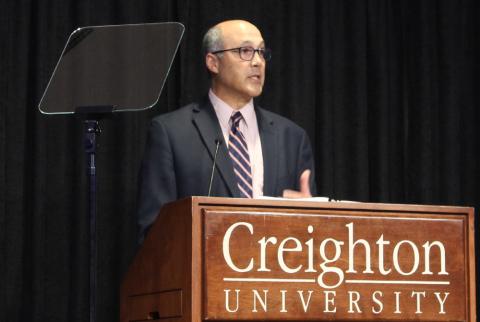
(206, 122)
(269, 151)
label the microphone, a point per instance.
(217, 143)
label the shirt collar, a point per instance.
(225, 111)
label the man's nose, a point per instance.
(257, 59)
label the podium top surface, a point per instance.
(322, 203)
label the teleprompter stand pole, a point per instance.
(91, 130)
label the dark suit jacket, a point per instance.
(179, 157)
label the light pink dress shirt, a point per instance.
(249, 128)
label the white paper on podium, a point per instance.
(314, 199)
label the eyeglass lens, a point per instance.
(247, 53)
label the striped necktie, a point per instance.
(238, 150)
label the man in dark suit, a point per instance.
(259, 152)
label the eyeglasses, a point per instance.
(247, 53)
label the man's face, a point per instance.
(235, 80)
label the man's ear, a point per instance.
(211, 61)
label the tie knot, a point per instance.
(236, 118)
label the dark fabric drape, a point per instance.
(387, 90)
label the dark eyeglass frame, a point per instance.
(263, 53)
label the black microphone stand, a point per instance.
(217, 144)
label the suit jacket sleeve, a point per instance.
(306, 162)
(157, 184)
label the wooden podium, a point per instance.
(262, 260)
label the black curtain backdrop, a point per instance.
(387, 90)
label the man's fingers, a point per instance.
(292, 194)
(304, 187)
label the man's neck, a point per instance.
(234, 101)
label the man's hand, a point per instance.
(304, 187)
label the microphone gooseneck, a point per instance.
(217, 143)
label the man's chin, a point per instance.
(256, 92)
